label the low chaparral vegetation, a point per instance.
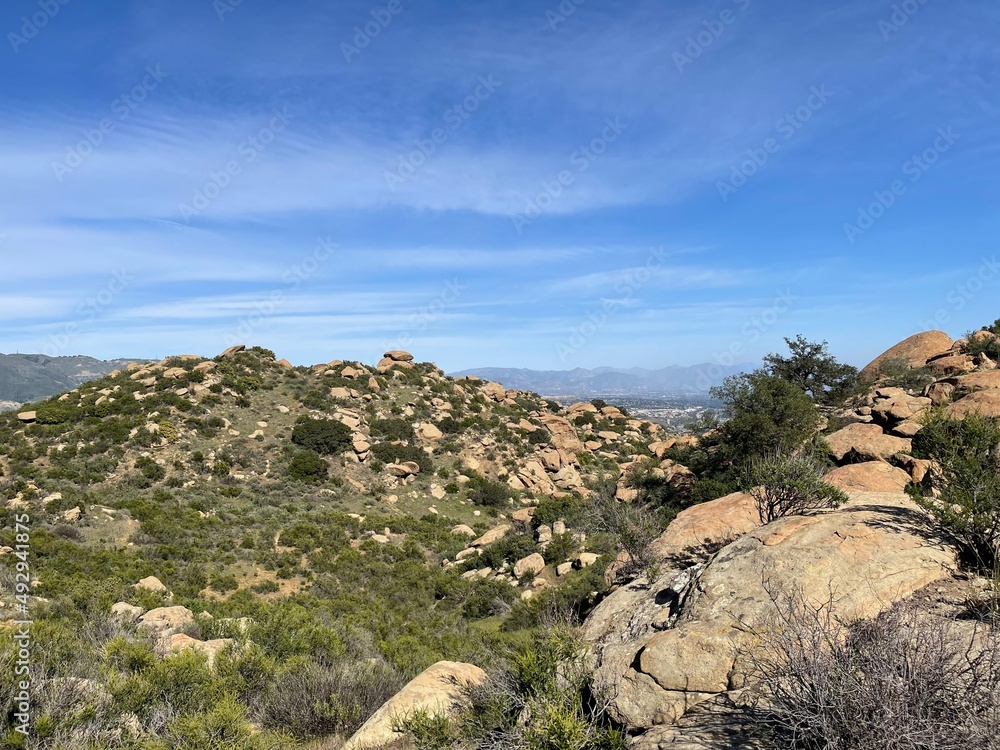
(318, 524)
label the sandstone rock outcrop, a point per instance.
(438, 690)
(666, 646)
(915, 350)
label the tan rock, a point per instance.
(564, 435)
(428, 431)
(405, 469)
(523, 515)
(984, 403)
(915, 350)
(233, 350)
(125, 611)
(585, 560)
(152, 583)
(871, 476)
(27, 416)
(495, 391)
(463, 530)
(491, 536)
(708, 525)
(865, 442)
(952, 364)
(398, 355)
(531, 565)
(163, 622)
(438, 690)
(940, 393)
(862, 558)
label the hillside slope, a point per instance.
(26, 377)
(327, 518)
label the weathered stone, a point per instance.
(915, 350)
(865, 442)
(438, 690)
(871, 476)
(531, 565)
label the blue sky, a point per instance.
(486, 184)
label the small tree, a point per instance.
(813, 369)
(788, 485)
(325, 436)
(767, 414)
(968, 454)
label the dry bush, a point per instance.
(901, 681)
(311, 699)
(788, 485)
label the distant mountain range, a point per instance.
(610, 381)
(29, 377)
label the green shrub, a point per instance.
(899, 373)
(987, 346)
(324, 436)
(968, 453)
(788, 485)
(814, 370)
(541, 436)
(392, 429)
(308, 466)
(309, 700)
(490, 494)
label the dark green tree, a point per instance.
(325, 436)
(812, 368)
(768, 414)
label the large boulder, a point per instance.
(438, 690)
(871, 476)
(708, 525)
(865, 442)
(164, 622)
(563, 434)
(915, 350)
(664, 647)
(984, 403)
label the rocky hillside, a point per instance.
(302, 556)
(26, 377)
(384, 514)
(675, 651)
